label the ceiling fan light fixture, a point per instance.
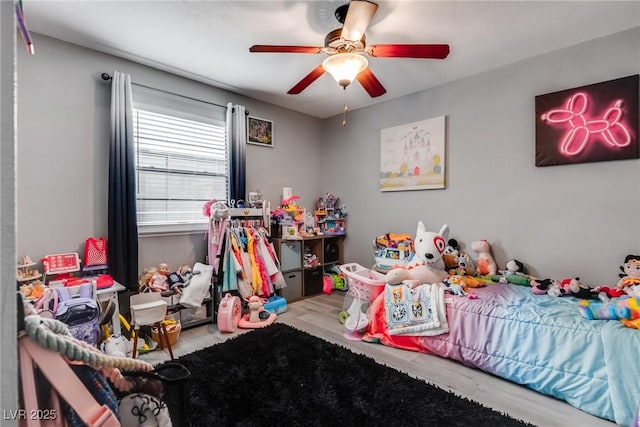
(345, 67)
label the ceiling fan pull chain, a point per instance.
(346, 107)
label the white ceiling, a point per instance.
(209, 41)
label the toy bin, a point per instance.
(366, 282)
(173, 332)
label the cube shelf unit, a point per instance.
(305, 281)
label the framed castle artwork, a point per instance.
(412, 156)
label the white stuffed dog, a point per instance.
(427, 265)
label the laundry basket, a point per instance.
(366, 282)
(364, 286)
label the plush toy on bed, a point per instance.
(515, 273)
(606, 292)
(465, 263)
(545, 286)
(466, 281)
(450, 254)
(575, 288)
(427, 265)
(630, 275)
(633, 291)
(486, 266)
(626, 309)
(629, 283)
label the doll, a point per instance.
(180, 278)
(630, 272)
(145, 280)
(160, 279)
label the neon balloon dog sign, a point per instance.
(582, 126)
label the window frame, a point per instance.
(186, 226)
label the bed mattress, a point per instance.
(539, 341)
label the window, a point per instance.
(181, 163)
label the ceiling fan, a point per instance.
(347, 50)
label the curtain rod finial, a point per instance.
(105, 76)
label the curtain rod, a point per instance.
(107, 76)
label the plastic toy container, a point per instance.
(366, 282)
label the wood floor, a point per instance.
(319, 316)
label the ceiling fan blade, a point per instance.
(434, 51)
(284, 49)
(370, 83)
(357, 20)
(307, 80)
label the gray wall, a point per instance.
(561, 221)
(63, 125)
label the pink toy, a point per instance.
(327, 284)
(229, 312)
(291, 200)
(486, 265)
(545, 286)
(255, 318)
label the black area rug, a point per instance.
(280, 376)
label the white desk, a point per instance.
(112, 294)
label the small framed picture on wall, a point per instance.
(259, 131)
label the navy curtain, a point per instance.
(237, 137)
(123, 228)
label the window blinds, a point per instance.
(181, 159)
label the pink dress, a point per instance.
(159, 283)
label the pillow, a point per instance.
(196, 291)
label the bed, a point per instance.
(539, 341)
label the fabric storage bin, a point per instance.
(313, 280)
(293, 291)
(290, 255)
(331, 251)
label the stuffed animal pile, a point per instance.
(427, 265)
(438, 259)
(621, 302)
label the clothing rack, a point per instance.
(219, 227)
